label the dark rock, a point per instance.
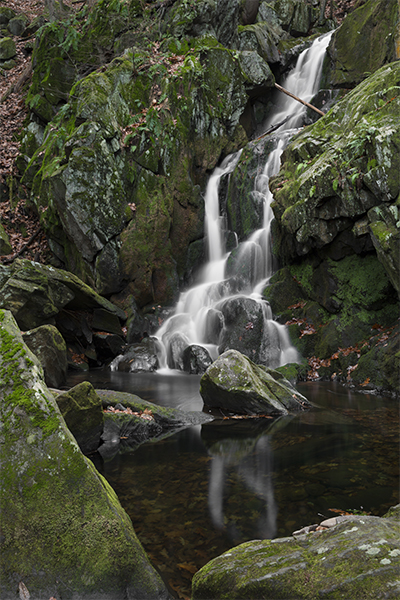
(234, 383)
(103, 320)
(6, 14)
(246, 330)
(47, 343)
(107, 346)
(196, 359)
(82, 410)
(138, 357)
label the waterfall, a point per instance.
(208, 314)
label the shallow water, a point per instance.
(201, 491)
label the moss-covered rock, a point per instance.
(64, 531)
(18, 24)
(335, 171)
(82, 410)
(5, 246)
(357, 558)
(35, 293)
(7, 48)
(47, 343)
(366, 40)
(234, 383)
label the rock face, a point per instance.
(47, 343)
(365, 41)
(235, 384)
(357, 558)
(118, 177)
(64, 531)
(337, 229)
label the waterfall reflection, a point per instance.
(252, 460)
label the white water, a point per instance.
(199, 312)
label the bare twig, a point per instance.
(281, 89)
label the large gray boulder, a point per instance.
(359, 557)
(235, 384)
(64, 532)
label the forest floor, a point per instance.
(19, 220)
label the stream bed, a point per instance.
(199, 492)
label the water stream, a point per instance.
(203, 313)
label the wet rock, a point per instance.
(196, 359)
(177, 344)
(246, 330)
(358, 556)
(47, 343)
(138, 357)
(235, 384)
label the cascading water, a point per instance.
(207, 315)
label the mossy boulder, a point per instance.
(338, 169)
(18, 24)
(48, 345)
(64, 531)
(357, 558)
(82, 410)
(36, 293)
(234, 383)
(6, 14)
(366, 40)
(8, 48)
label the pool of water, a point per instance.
(203, 490)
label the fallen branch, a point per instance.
(9, 260)
(314, 108)
(274, 127)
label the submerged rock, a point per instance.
(64, 532)
(235, 384)
(357, 558)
